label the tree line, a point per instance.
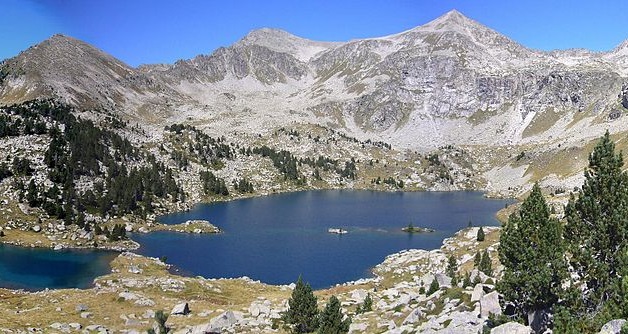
(574, 270)
(124, 180)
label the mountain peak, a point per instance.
(60, 46)
(452, 20)
(61, 37)
(62, 40)
(281, 41)
(453, 14)
(268, 33)
(623, 47)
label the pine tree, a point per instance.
(486, 265)
(532, 252)
(331, 319)
(466, 280)
(434, 286)
(32, 196)
(452, 267)
(302, 309)
(477, 259)
(480, 236)
(161, 318)
(597, 231)
(367, 305)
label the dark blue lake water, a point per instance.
(277, 238)
(37, 269)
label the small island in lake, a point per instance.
(337, 231)
(413, 229)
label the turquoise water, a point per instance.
(277, 238)
(37, 269)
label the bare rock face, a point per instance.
(450, 81)
(624, 96)
(239, 61)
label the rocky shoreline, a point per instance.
(138, 286)
(60, 236)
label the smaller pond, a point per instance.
(36, 268)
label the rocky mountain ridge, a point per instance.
(451, 81)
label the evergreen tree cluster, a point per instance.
(210, 151)
(243, 185)
(14, 122)
(287, 164)
(389, 181)
(576, 269)
(201, 147)
(323, 163)
(213, 185)
(434, 286)
(349, 172)
(118, 232)
(22, 167)
(283, 160)
(5, 171)
(332, 138)
(3, 74)
(78, 148)
(304, 316)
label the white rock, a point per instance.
(145, 302)
(149, 314)
(612, 327)
(478, 292)
(56, 325)
(225, 320)
(356, 327)
(128, 296)
(358, 295)
(443, 280)
(489, 303)
(511, 328)
(180, 309)
(254, 309)
(414, 316)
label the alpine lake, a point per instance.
(275, 238)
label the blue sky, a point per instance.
(156, 31)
